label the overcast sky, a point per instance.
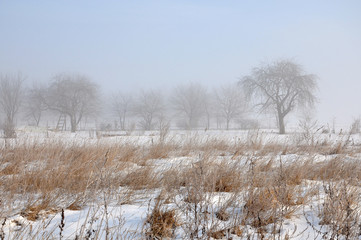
(128, 45)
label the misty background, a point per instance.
(130, 46)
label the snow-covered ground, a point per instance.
(120, 215)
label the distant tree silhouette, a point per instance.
(281, 86)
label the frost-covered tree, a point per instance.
(281, 86)
(189, 103)
(122, 105)
(35, 103)
(11, 96)
(149, 107)
(73, 95)
(230, 103)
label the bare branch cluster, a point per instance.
(10, 100)
(73, 95)
(281, 86)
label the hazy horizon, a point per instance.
(132, 45)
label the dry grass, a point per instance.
(161, 223)
(61, 172)
(340, 211)
(266, 189)
(338, 168)
(223, 177)
(143, 178)
(264, 206)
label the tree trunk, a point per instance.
(218, 122)
(227, 124)
(73, 123)
(123, 123)
(190, 123)
(37, 118)
(9, 130)
(208, 121)
(281, 123)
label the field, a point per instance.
(180, 185)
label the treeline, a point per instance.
(278, 87)
(188, 106)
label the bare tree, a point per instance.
(35, 103)
(121, 106)
(189, 102)
(230, 102)
(149, 107)
(280, 86)
(11, 90)
(73, 95)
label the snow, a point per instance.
(128, 220)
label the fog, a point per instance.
(159, 46)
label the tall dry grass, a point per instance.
(263, 186)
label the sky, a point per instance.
(131, 45)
